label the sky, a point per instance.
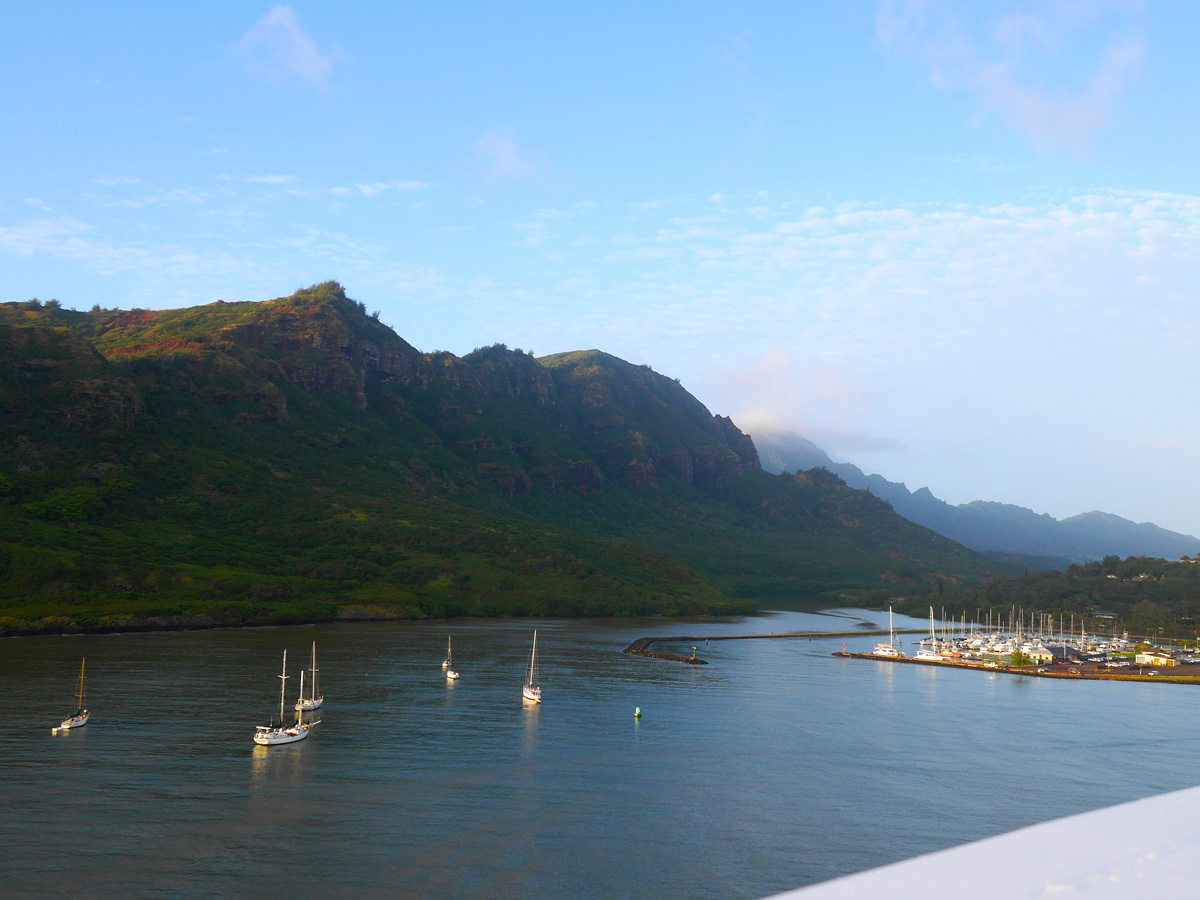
(955, 243)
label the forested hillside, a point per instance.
(297, 460)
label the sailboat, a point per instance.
(279, 732)
(533, 689)
(312, 701)
(80, 718)
(446, 662)
(930, 653)
(888, 649)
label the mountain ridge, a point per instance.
(296, 459)
(989, 526)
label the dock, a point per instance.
(641, 647)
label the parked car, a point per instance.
(1074, 671)
(1154, 672)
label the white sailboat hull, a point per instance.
(270, 737)
(532, 694)
(73, 722)
(310, 704)
(451, 675)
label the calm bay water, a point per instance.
(773, 767)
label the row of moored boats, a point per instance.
(280, 731)
(979, 646)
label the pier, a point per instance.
(641, 647)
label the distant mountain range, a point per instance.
(999, 530)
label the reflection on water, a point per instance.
(270, 766)
(774, 766)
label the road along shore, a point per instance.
(1085, 673)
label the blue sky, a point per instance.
(956, 243)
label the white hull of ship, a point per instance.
(533, 695)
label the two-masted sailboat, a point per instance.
(281, 732)
(532, 691)
(313, 700)
(80, 718)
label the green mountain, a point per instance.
(297, 460)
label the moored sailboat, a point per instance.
(449, 656)
(312, 701)
(932, 652)
(281, 732)
(532, 690)
(80, 718)
(889, 649)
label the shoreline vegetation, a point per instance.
(51, 626)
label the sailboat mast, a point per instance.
(312, 689)
(530, 678)
(282, 685)
(82, 664)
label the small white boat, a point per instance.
(312, 701)
(449, 657)
(281, 732)
(451, 675)
(532, 691)
(80, 718)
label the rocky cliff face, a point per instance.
(574, 422)
(640, 425)
(329, 346)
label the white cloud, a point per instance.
(966, 50)
(503, 159)
(116, 181)
(269, 179)
(278, 50)
(378, 187)
(776, 393)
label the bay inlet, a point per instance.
(774, 766)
